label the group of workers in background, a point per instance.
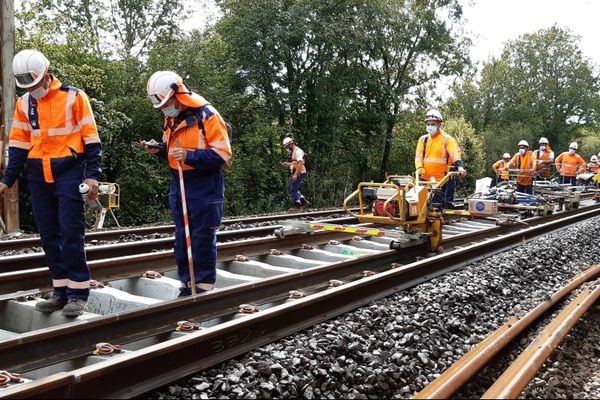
(537, 165)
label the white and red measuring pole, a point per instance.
(186, 223)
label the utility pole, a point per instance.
(10, 208)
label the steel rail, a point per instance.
(143, 370)
(451, 380)
(515, 379)
(135, 265)
(116, 234)
(21, 262)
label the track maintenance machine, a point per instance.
(402, 202)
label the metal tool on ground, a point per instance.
(186, 223)
(404, 201)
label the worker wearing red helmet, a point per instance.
(195, 135)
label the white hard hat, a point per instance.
(543, 140)
(162, 85)
(29, 67)
(573, 145)
(434, 115)
(594, 159)
(523, 143)
(287, 141)
(505, 155)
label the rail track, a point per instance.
(116, 234)
(292, 282)
(520, 372)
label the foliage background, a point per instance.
(350, 80)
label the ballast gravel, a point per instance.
(395, 346)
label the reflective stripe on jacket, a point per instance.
(525, 164)
(436, 155)
(59, 134)
(498, 168)
(203, 133)
(567, 164)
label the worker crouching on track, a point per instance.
(524, 162)
(569, 164)
(195, 135)
(436, 152)
(500, 168)
(544, 157)
(298, 172)
(54, 132)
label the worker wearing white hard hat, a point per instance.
(524, 164)
(544, 157)
(569, 164)
(55, 134)
(594, 164)
(297, 167)
(500, 168)
(195, 137)
(435, 154)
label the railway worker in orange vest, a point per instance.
(500, 168)
(195, 135)
(594, 165)
(298, 172)
(544, 157)
(54, 132)
(524, 162)
(436, 152)
(569, 164)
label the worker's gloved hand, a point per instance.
(92, 193)
(462, 171)
(421, 171)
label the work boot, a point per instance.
(186, 291)
(54, 303)
(296, 206)
(74, 308)
(304, 202)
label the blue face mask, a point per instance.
(431, 129)
(171, 111)
(522, 152)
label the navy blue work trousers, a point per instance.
(59, 214)
(204, 219)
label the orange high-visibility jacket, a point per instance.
(526, 165)
(567, 165)
(204, 134)
(435, 154)
(298, 155)
(58, 134)
(594, 167)
(498, 168)
(544, 161)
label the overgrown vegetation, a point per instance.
(349, 79)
